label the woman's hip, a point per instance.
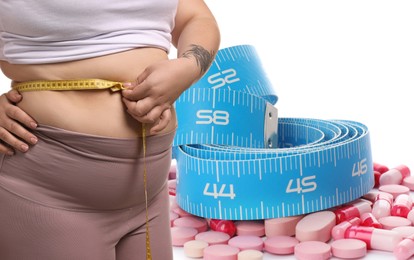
(80, 171)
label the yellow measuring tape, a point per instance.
(91, 84)
(76, 84)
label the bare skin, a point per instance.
(99, 112)
(154, 82)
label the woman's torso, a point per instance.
(99, 112)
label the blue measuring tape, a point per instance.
(237, 160)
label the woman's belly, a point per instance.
(99, 112)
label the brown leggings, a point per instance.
(76, 196)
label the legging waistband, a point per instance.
(94, 145)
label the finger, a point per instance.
(15, 129)
(154, 115)
(136, 92)
(138, 109)
(13, 141)
(6, 150)
(13, 96)
(165, 119)
(19, 115)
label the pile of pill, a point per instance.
(381, 220)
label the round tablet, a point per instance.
(213, 237)
(250, 228)
(247, 242)
(394, 189)
(390, 222)
(192, 221)
(281, 226)
(371, 195)
(221, 252)
(180, 235)
(250, 255)
(312, 250)
(349, 248)
(195, 248)
(180, 211)
(316, 226)
(280, 245)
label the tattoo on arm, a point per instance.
(201, 55)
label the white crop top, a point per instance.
(49, 31)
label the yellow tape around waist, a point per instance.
(89, 84)
(77, 84)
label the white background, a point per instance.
(333, 59)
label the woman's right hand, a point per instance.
(13, 120)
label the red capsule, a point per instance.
(380, 167)
(382, 205)
(402, 205)
(226, 226)
(394, 175)
(352, 210)
(369, 220)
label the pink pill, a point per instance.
(181, 235)
(410, 216)
(352, 210)
(348, 248)
(375, 238)
(391, 222)
(213, 237)
(382, 205)
(405, 249)
(192, 221)
(173, 216)
(172, 187)
(281, 226)
(250, 255)
(221, 252)
(247, 242)
(250, 228)
(380, 167)
(316, 226)
(180, 212)
(371, 195)
(409, 182)
(405, 231)
(394, 175)
(369, 220)
(312, 250)
(402, 205)
(280, 245)
(377, 176)
(394, 189)
(226, 226)
(195, 248)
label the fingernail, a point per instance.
(127, 84)
(33, 125)
(33, 140)
(10, 153)
(24, 147)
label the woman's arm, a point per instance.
(13, 120)
(197, 38)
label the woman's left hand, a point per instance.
(150, 98)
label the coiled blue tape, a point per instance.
(229, 166)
